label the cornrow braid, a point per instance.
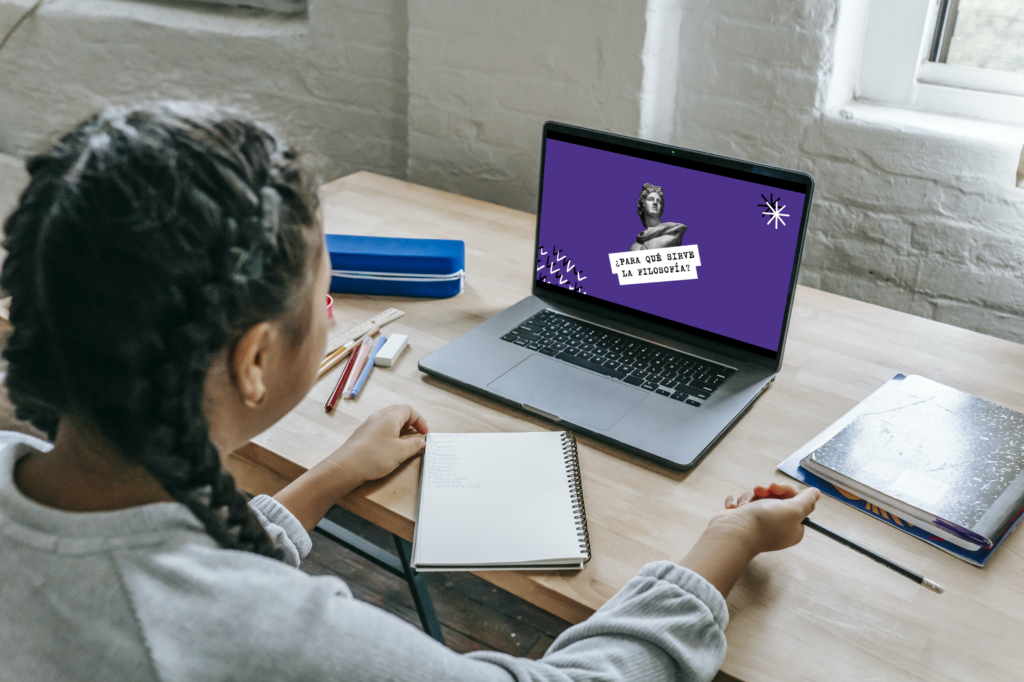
(148, 240)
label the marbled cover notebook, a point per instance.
(795, 464)
(936, 453)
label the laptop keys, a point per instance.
(592, 366)
(618, 356)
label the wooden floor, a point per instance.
(474, 614)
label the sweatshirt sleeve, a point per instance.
(665, 625)
(269, 621)
(668, 623)
(283, 528)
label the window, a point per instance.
(961, 57)
(987, 34)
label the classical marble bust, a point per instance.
(656, 235)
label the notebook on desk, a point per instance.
(500, 501)
(933, 461)
(941, 457)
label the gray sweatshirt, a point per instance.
(143, 594)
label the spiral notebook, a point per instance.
(500, 501)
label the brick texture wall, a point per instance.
(483, 79)
(913, 211)
(334, 82)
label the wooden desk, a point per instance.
(816, 611)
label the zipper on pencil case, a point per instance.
(399, 277)
(459, 276)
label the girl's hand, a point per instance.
(382, 442)
(764, 519)
(774, 522)
(375, 449)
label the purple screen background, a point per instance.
(589, 211)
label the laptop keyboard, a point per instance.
(679, 376)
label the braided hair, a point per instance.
(149, 239)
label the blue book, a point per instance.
(890, 454)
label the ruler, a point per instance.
(340, 345)
(355, 333)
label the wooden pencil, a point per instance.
(328, 363)
(919, 579)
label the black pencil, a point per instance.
(919, 579)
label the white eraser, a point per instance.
(391, 349)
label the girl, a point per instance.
(168, 273)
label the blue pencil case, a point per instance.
(387, 266)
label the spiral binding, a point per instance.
(572, 465)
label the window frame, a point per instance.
(898, 67)
(276, 6)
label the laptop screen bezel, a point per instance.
(684, 158)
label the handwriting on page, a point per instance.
(444, 466)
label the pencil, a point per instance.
(340, 350)
(329, 405)
(328, 363)
(906, 572)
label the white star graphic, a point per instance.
(774, 212)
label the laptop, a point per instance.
(663, 281)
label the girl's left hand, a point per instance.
(382, 442)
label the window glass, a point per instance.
(988, 34)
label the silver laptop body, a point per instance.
(657, 341)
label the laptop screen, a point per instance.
(700, 244)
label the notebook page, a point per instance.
(495, 498)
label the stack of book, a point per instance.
(933, 461)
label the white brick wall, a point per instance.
(483, 78)
(334, 82)
(13, 179)
(912, 211)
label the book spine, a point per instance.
(572, 466)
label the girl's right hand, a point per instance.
(770, 515)
(764, 519)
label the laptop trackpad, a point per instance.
(573, 395)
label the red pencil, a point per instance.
(329, 405)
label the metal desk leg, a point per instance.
(400, 566)
(418, 587)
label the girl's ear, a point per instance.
(249, 363)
